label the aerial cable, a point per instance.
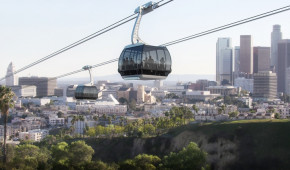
(243, 21)
(240, 22)
(89, 37)
(71, 73)
(233, 24)
(100, 32)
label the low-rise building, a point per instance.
(200, 95)
(33, 135)
(54, 120)
(222, 90)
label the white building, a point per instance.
(247, 100)
(33, 135)
(54, 120)
(159, 93)
(224, 59)
(200, 95)
(178, 90)
(11, 79)
(35, 101)
(24, 91)
(245, 84)
(110, 106)
(79, 126)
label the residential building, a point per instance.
(35, 135)
(54, 120)
(35, 101)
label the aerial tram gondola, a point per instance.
(140, 61)
(87, 91)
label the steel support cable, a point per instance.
(89, 37)
(233, 24)
(71, 73)
(98, 33)
(250, 19)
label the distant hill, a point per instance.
(246, 144)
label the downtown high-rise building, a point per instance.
(265, 86)
(246, 55)
(11, 78)
(261, 59)
(276, 36)
(224, 60)
(283, 64)
(44, 86)
(237, 61)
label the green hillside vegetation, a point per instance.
(245, 144)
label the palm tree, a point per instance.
(6, 102)
(82, 119)
(74, 119)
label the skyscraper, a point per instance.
(246, 54)
(265, 86)
(283, 64)
(11, 79)
(276, 36)
(224, 60)
(237, 61)
(261, 59)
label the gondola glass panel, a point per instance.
(145, 62)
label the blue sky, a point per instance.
(32, 29)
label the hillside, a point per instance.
(247, 144)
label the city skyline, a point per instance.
(47, 27)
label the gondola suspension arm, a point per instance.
(141, 10)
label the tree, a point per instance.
(277, 115)
(233, 114)
(195, 108)
(171, 96)
(142, 161)
(80, 153)
(6, 102)
(110, 120)
(190, 157)
(29, 156)
(60, 155)
(60, 114)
